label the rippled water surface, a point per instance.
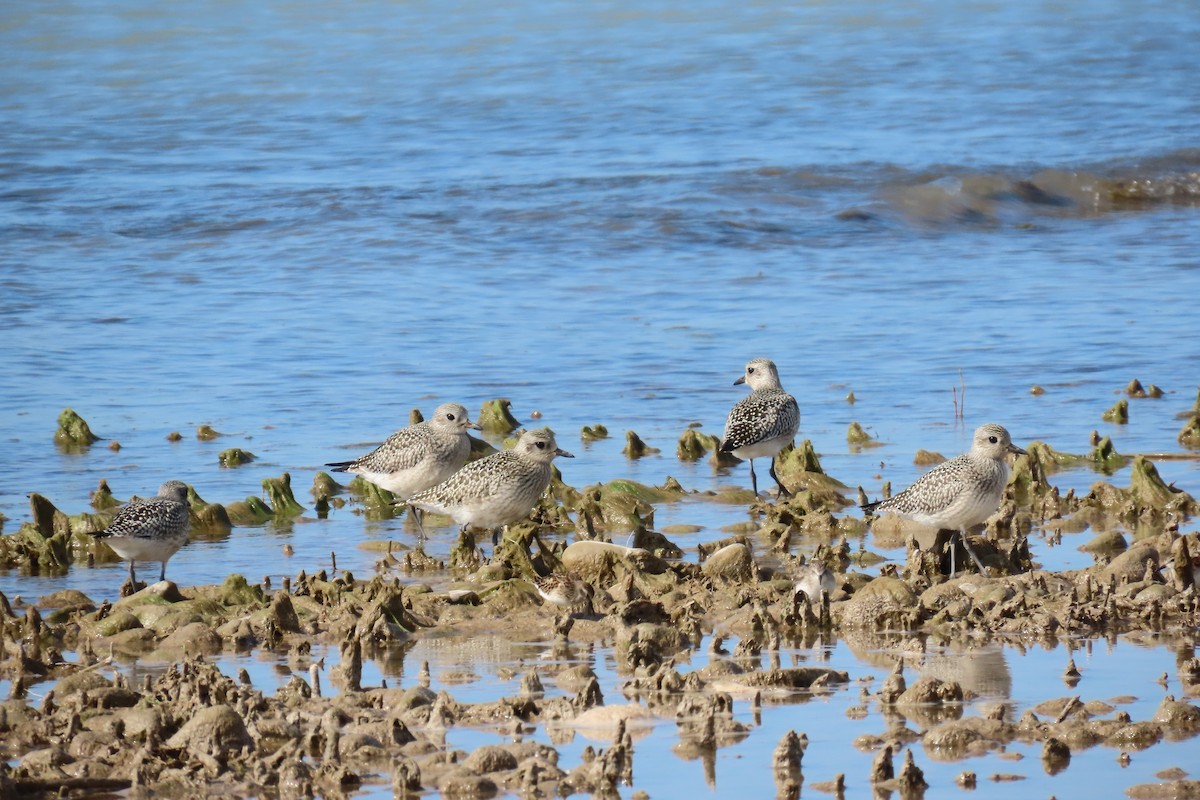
(295, 221)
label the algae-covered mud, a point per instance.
(687, 657)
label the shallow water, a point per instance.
(295, 222)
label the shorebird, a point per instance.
(958, 493)
(814, 578)
(417, 457)
(150, 530)
(564, 591)
(499, 489)
(762, 423)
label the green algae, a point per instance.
(30, 550)
(73, 431)
(1028, 479)
(47, 519)
(252, 511)
(856, 435)
(1135, 389)
(655, 542)
(593, 433)
(1189, 435)
(1149, 489)
(279, 494)
(1105, 457)
(464, 555)
(513, 550)
(325, 488)
(1118, 414)
(496, 418)
(927, 458)
(371, 495)
(623, 505)
(118, 622)
(212, 518)
(237, 591)
(235, 457)
(693, 444)
(635, 447)
(205, 433)
(102, 498)
(800, 467)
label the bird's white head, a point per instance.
(760, 374)
(992, 441)
(539, 445)
(452, 418)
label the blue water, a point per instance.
(296, 221)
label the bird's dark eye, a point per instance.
(993, 439)
(541, 445)
(450, 417)
(750, 370)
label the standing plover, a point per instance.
(961, 492)
(150, 530)
(814, 578)
(497, 490)
(762, 423)
(417, 457)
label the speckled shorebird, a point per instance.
(152, 529)
(565, 591)
(499, 489)
(961, 492)
(417, 457)
(762, 423)
(814, 578)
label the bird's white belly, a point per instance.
(967, 509)
(764, 449)
(139, 549)
(407, 482)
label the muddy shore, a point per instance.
(74, 722)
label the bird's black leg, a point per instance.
(415, 513)
(162, 573)
(971, 553)
(753, 478)
(783, 490)
(132, 577)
